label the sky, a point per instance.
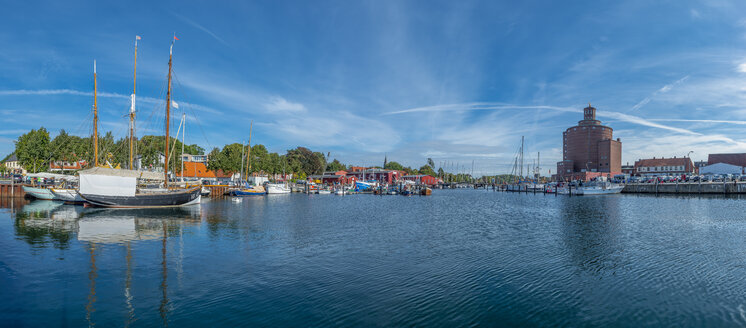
(456, 81)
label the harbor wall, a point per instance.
(11, 190)
(687, 188)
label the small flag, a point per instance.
(174, 104)
(175, 38)
(137, 37)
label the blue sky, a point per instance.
(458, 81)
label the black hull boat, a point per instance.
(144, 200)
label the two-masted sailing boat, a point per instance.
(248, 190)
(119, 188)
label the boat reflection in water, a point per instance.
(124, 226)
(40, 222)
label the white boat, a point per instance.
(602, 189)
(39, 193)
(324, 192)
(278, 188)
(600, 186)
(67, 195)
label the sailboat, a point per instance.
(108, 187)
(248, 190)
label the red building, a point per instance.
(380, 175)
(423, 179)
(589, 150)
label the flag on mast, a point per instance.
(174, 104)
(175, 38)
(137, 37)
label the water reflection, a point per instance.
(591, 231)
(41, 222)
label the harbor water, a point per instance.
(456, 258)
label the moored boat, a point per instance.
(67, 195)
(251, 191)
(278, 188)
(118, 188)
(39, 193)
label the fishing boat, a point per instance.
(68, 195)
(426, 191)
(362, 185)
(39, 193)
(278, 188)
(205, 192)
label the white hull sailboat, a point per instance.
(278, 188)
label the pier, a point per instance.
(687, 188)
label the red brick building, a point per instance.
(423, 179)
(589, 150)
(738, 159)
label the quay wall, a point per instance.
(11, 190)
(687, 188)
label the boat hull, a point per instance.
(68, 195)
(247, 192)
(602, 191)
(39, 193)
(146, 200)
(278, 189)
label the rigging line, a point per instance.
(204, 135)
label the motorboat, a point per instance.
(250, 191)
(278, 188)
(600, 186)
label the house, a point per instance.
(423, 179)
(664, 166)
(338, 177)
(226, 176)
(64, 165)
(380, 175)
(737, 159)
(157, 168)
(13, 165)
(197, 171)
(195, 158)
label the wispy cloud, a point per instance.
(279, 104)
(200, 27)
(664, 89)
(71, 92)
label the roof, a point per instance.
(12, 158)
(738, 159)
(122, 173)
(198, 170)
(223, 174)
(652, 162)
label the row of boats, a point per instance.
(598, 186)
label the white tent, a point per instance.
(113, 182)
(721, 168)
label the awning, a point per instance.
(147, 175)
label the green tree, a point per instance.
(427, 170)
(335, 166)
(32, 150)
(394, 166)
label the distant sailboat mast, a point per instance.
(248, 153)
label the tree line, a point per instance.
(35, 150)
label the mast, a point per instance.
(243, 148)
(95, 117)
(521, 159)
(168, 112)
(132, 109)
(183, 132)
(248, 153)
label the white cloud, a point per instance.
(694, 13)
(741, 67)
(279, 104)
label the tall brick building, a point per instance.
(589, 150)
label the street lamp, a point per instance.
(687, 154)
